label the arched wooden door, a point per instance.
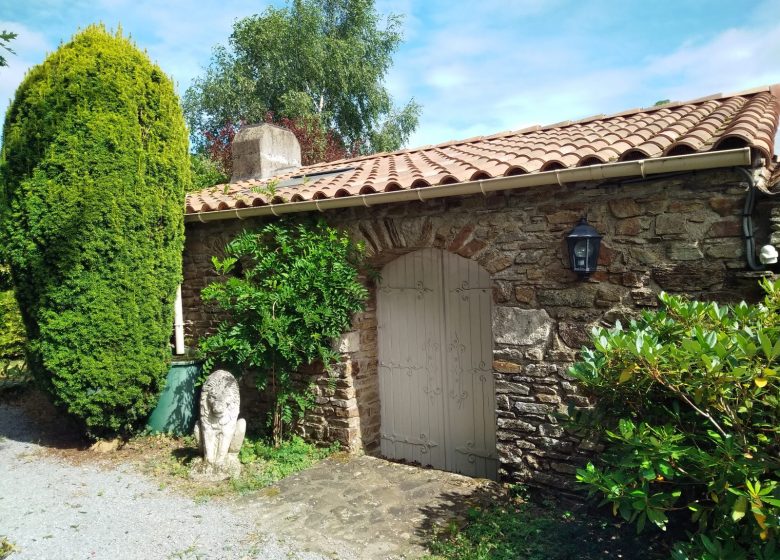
(435, 354)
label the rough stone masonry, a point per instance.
(681, 234)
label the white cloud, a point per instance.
(446, 77)
(735, 59)
(476, 67)
(178, 34)
(27, 40)
(507, 82)
(30, 47)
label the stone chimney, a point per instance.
(261, 151)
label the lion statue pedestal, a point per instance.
(220, 432)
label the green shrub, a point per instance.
(205, 173)
(12, 339)
(688, 406)
(6, 283)
(289, 289)
(94, 169)
(11, 328)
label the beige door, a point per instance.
(435, 350)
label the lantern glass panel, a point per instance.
(583, 248)
(583, 242)
(583, 253)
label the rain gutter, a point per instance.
(739, 157)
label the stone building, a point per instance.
(459, 360)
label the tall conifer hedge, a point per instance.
(94, 169)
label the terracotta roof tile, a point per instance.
(709, 123)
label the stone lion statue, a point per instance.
(220, 432)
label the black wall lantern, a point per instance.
(584, 243)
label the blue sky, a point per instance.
(476, 67)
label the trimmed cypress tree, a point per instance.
(94, 169)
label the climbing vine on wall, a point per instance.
(287, 290)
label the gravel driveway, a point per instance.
(52, 509)
(57, 502)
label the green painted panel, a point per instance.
(177, 409)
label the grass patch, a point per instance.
(168, 459)
(265, 464)
(6, 548)
(189, 553)
(532, 531)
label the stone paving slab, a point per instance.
(365, 507)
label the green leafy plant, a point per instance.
(94, 168)
(287, 291)
(688, 406)
(511, 530)
(266, 463)
(269, 188)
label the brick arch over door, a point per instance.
(436, 385)
(388, 238)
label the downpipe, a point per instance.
(178, 323)
(747, 220)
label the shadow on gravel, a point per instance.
(26, 415)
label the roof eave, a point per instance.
(740, 157)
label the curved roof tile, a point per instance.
(715, 122)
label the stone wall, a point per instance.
(347, 400)
(681, 234)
